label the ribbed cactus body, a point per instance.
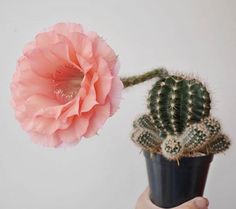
(175, 102)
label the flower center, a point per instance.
(67, 81)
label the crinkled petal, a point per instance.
(44, 125)
(44, 63)
(73, 134)
(103, 85)
(66, 28)
(46, 140)
(82, 45)
(44, 40)
(90, 100)
(100, 115)
(115, 94)
(84, 63)
(101, 49)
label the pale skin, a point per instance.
(144, 202)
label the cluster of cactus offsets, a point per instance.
(203, 137)
(179, 122)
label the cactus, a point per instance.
(145, 134)
(192, 140)
(176, 101)
(195, 137)
(145, 121)
(172, 147)
(220, 144)
(178, 123)
(202, 137)
(212, 125)
(199, 137)
(146, 139)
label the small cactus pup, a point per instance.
(219, 145)
(145, 134)
(172, 147)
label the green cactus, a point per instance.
(220, 144)
(145, 121)
(212, 125)
(195, 137)
(201, 137)
(178, 123)
(146, 139)
(176, 101)
(145, 134)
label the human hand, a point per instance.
(144, 202)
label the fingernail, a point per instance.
(201, 203)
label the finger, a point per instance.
(196, 203)
(144, 201)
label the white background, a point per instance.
(107, 171)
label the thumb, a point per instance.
(196, 203)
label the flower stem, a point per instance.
(133, 80)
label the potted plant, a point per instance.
(66, 86)
(178, 136)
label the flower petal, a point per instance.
(103, 85)
(101, 49)
(43, 62)
(46, 140)
(100, 115)
(66, 28)
(44, 40)
(115, 94)
(81, 44)
(90, 100)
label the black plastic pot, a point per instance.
(172, 184)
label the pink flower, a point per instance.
(66, 85)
